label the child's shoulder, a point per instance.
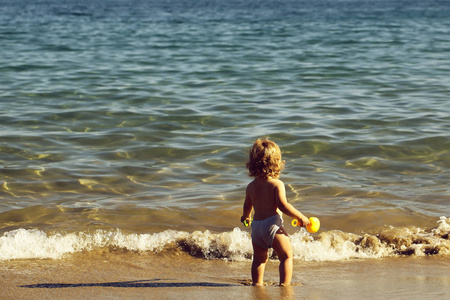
(266, 181)
(276, 182)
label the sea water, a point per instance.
(126, 124)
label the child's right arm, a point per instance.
(247, 209)
(285, 207)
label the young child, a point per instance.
(266, 195)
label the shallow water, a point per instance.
(138, 116)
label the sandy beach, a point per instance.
(135, 276)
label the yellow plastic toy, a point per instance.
(312, 227)
(247, 223)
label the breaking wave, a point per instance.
(234, 245)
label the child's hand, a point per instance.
(305, 221)
(246, 221)
(302, 222)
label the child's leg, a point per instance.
(283, 248)
(260, 257)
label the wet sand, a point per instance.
(134, 276)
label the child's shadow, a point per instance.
(154, 283)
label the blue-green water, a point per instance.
(138, 115)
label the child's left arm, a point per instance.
(286, 207)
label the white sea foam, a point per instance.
(24, 243)
(232, 245)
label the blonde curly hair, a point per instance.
(265, 159)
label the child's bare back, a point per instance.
(267, 196)
(262, 194)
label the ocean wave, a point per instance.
(233, 245)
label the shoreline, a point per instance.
(167, 276)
